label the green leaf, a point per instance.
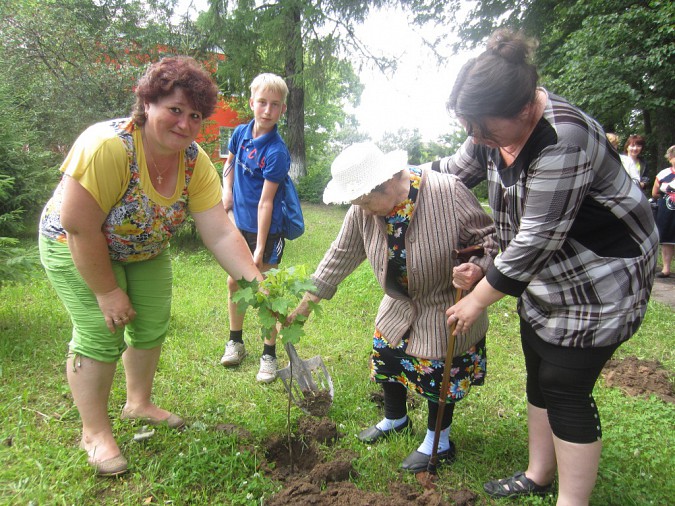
(281, 290)
(315, 307)
(292, 333)
(280, 305)
(246, 295)
(268, 320)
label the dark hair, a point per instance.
(638, 140)
(499, 82)
(164, 76)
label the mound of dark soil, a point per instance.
(310, 480)
(639, 377)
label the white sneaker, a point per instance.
(234, 353)
(268, 369)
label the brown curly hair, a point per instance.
(162, 78)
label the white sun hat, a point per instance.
(359, 169)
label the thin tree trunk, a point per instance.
(295, 113)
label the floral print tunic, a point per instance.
(137, 228)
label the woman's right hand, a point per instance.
(116, 308)
(466, 275)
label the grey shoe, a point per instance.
(234, 353)
(268, 369)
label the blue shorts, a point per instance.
(148, 285)
(274, 247)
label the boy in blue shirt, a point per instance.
(257, 163)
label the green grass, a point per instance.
(39, 426)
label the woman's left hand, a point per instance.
(116, 308)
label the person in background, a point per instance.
(406, 222)
(613, 140)
(634, 162)
(663, 192)
(578, 250)
(257, 163)
(127, 185)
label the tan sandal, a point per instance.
(109, 467)
(172, 421)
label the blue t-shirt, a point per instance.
(257, 160)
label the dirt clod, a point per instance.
(321, 430)
(230, 428)
(316, 403)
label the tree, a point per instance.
(75, 62)
(25, 182)
(65, 65)
(612, 58)
(307, 43)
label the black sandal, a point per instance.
(516, 485)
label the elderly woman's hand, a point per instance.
(116, 308)
(466, 275)
(302, 308)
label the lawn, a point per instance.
(39, 425)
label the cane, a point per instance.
(426, 478)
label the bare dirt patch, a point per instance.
(637, 377)
(308, 479)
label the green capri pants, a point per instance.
(148, 285)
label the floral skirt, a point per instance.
(424, 377)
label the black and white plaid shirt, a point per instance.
(577, 237)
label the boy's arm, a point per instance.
(228, 180)
(265, 208)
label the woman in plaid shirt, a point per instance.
(578, 249)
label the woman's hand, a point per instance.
(116, 308)
(302, 308)
(464, 313)
(466, 275)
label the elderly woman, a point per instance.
(406, 222)
(127, 185)
(578, 250)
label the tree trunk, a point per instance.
(295, 112)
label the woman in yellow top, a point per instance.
(127, 185)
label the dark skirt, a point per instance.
(665, 220)
(424, 377)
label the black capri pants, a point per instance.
(561, 380)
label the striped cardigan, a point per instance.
(447, 216)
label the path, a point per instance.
(664, 291)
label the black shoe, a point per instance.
(372, 434)
(418, 461)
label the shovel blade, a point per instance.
(305, 378)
